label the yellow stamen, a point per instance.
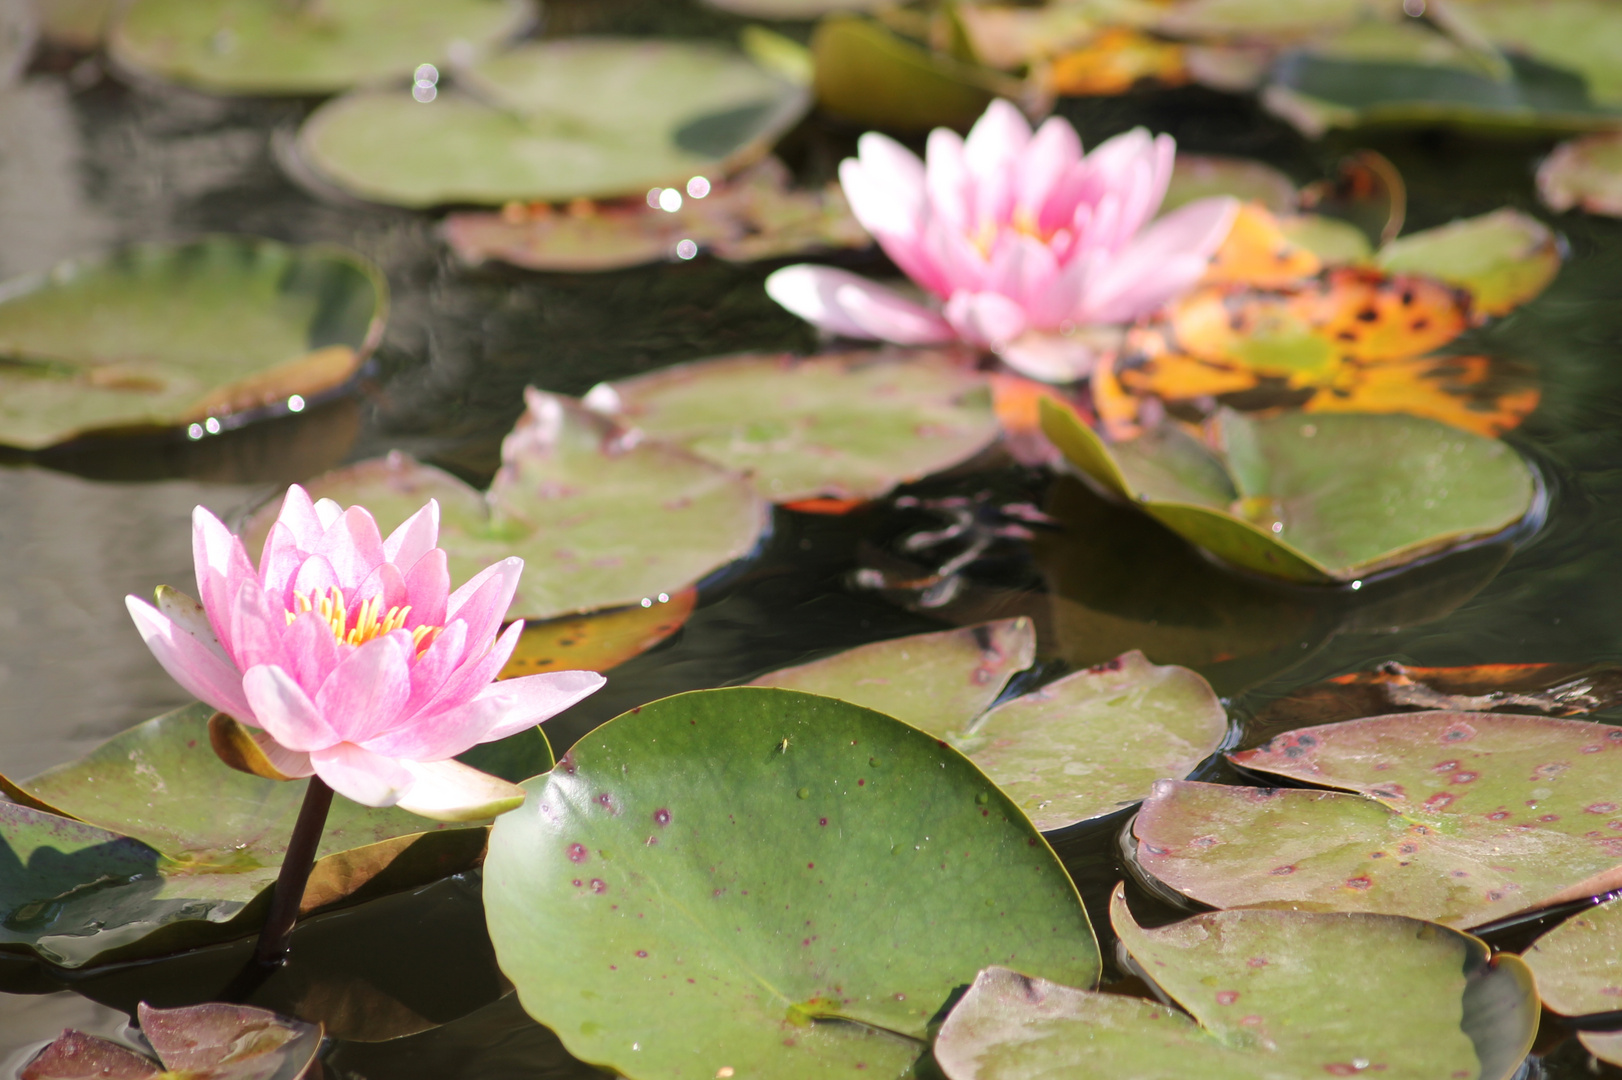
(370, 621)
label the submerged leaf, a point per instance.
(1464, 818)
(715, 859)
(550, 121)
(273, 47)
(1271, 993)
(603, 518)
(845, 425)
(158, 335)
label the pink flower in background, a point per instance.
(1020, 238)
(353, 658)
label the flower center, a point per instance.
(370, 621)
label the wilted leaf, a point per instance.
(592, 117)
(937, 682)
(1271, 993)
(1586, 173)
(1503, 259)
(603, 518)
(1579, 963)
(159, 335)
(846, 425)
(602, 640)
(743, 839)
(197, 1042)
(272, 47)
(1464, 818)
(754, 216)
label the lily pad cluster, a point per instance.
(205, 1042)
(202, 335)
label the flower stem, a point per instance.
(295, 874)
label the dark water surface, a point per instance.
(86, 162)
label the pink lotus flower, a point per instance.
(1021, 239)
(352, 657)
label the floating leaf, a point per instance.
(600, 641)
(709, 866)
(1115, 61)
(1258, 253)
(1470, 392)
(868, 75)
(1331, 498)
(158, 335)
(1009, 37)
(593, 117)
(274, 47)
(1503, 259)
(603, 519)
(1271, 993)
(221, 835)
(1464, 818)
(1261, 19)
(1096, 741)
(1578, 964)
(1607, 1046)
(938, 682)
(792, 9)
(846, 425)
(199, 1042)
(754, 216)
(1199, 176)
(1586, 173)
(1584, 36)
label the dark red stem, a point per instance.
(295, 874)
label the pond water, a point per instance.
(87, 161)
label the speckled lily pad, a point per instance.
(214, 1041)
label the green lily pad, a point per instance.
(1605, 1045)
(159, 335)
(849, 425)
(173, 840)
(869, 75)
(1580, 35)
(754, 216)
(1585, 173)
(1095, 742)
(305, 46)
(214, 1041)
(761, 882)
(1462, 818)
(1579, 963)
(1503, 259)
(1336, 242)
(1331, 497)
(601, 518)
(1271, 993)
(792, 9)
(1196, 176)
(1267, 20)
(593, 117)
(938, 682)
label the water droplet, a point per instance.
(670, 200)
(653, 196)
(424, 94)
(646, 602)
(1356, 585)
(686, 249)
(194, 432)
(804, 793)
(212, 426)
(425, 75)
(664, 598)
(698, 187)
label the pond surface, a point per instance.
(87, 161)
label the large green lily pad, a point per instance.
(759, 882)
(753, 216)
(173, 840)
(1272, 994)
(1584, 173)
(1462, 818)
(602, 519)
(305, 46)
(591, 117)
(1503, 259)
(1579, 963)
(157, 335)
(849, 425)
(1326, 498)
(1095, 741)
(939, 683)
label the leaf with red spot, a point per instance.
(1268, 993)
(1579, 963)
(1463, 818)
(198, 1042)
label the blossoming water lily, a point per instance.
(351, 657)
(1019, 238)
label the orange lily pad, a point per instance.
(1117, 60)
(602, 640)
(1469, 392)
(1258, 253)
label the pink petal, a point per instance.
(327, 512)
(535, 698)
(416, 537)
(280, 563)
(288, 762)
(360, 775)
(1051, 358)
(1022, 268)
(366, 692)
(853, 306)
(451, 791)
(222, 565)
(986, 318)
(428, 584)
(1052, 152)
(352, 545)
(946, 180)
(316, 578)
(435, 736)
(201, 671)
(430, 671)
(1164, 261)
(1061, 301)
(256, 628)
(884, 185)
(285, 711)
(188, 616)
(385, 584)
(995, 143)
(483, 601)
(299, 519)
(475, 672)
(309, 651)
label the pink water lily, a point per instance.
(353, 659)
(1018, 239)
